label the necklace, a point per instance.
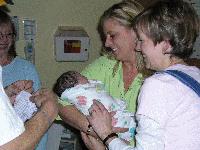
(128, 77)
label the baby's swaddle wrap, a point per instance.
(23, 106)
(82, 97)
(11, 125)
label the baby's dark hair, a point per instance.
(67, 80)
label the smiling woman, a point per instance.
(120, 68)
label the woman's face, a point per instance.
(82, 80)
(153, 55)
(6, 38)
(120, 39)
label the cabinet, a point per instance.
(63, 137)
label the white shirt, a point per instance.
(11, 125)
(168, 114)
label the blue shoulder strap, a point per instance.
(186, 79)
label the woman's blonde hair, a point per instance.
(124, 12)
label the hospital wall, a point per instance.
(49, 14)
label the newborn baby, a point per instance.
(78, 90)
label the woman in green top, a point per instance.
(120, 69)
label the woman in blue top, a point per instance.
(15, 68)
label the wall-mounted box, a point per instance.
(71, 44)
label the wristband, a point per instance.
(109, 136)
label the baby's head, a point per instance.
(68, 80)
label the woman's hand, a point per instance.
(24, 85)
(47, 102)
(91, 142)
(119, 130)
(100, 119)
(15, 88)
(41, 96)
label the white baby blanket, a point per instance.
(82, 97)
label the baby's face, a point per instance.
(82, 80)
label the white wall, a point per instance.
(49, 14)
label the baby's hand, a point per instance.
(24, 85)
(15, 88)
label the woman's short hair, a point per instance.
(175, 21)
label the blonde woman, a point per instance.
(120, 68)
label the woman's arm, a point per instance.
(72, 116)
(92, 142)
(35, 128)
(38, 125)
